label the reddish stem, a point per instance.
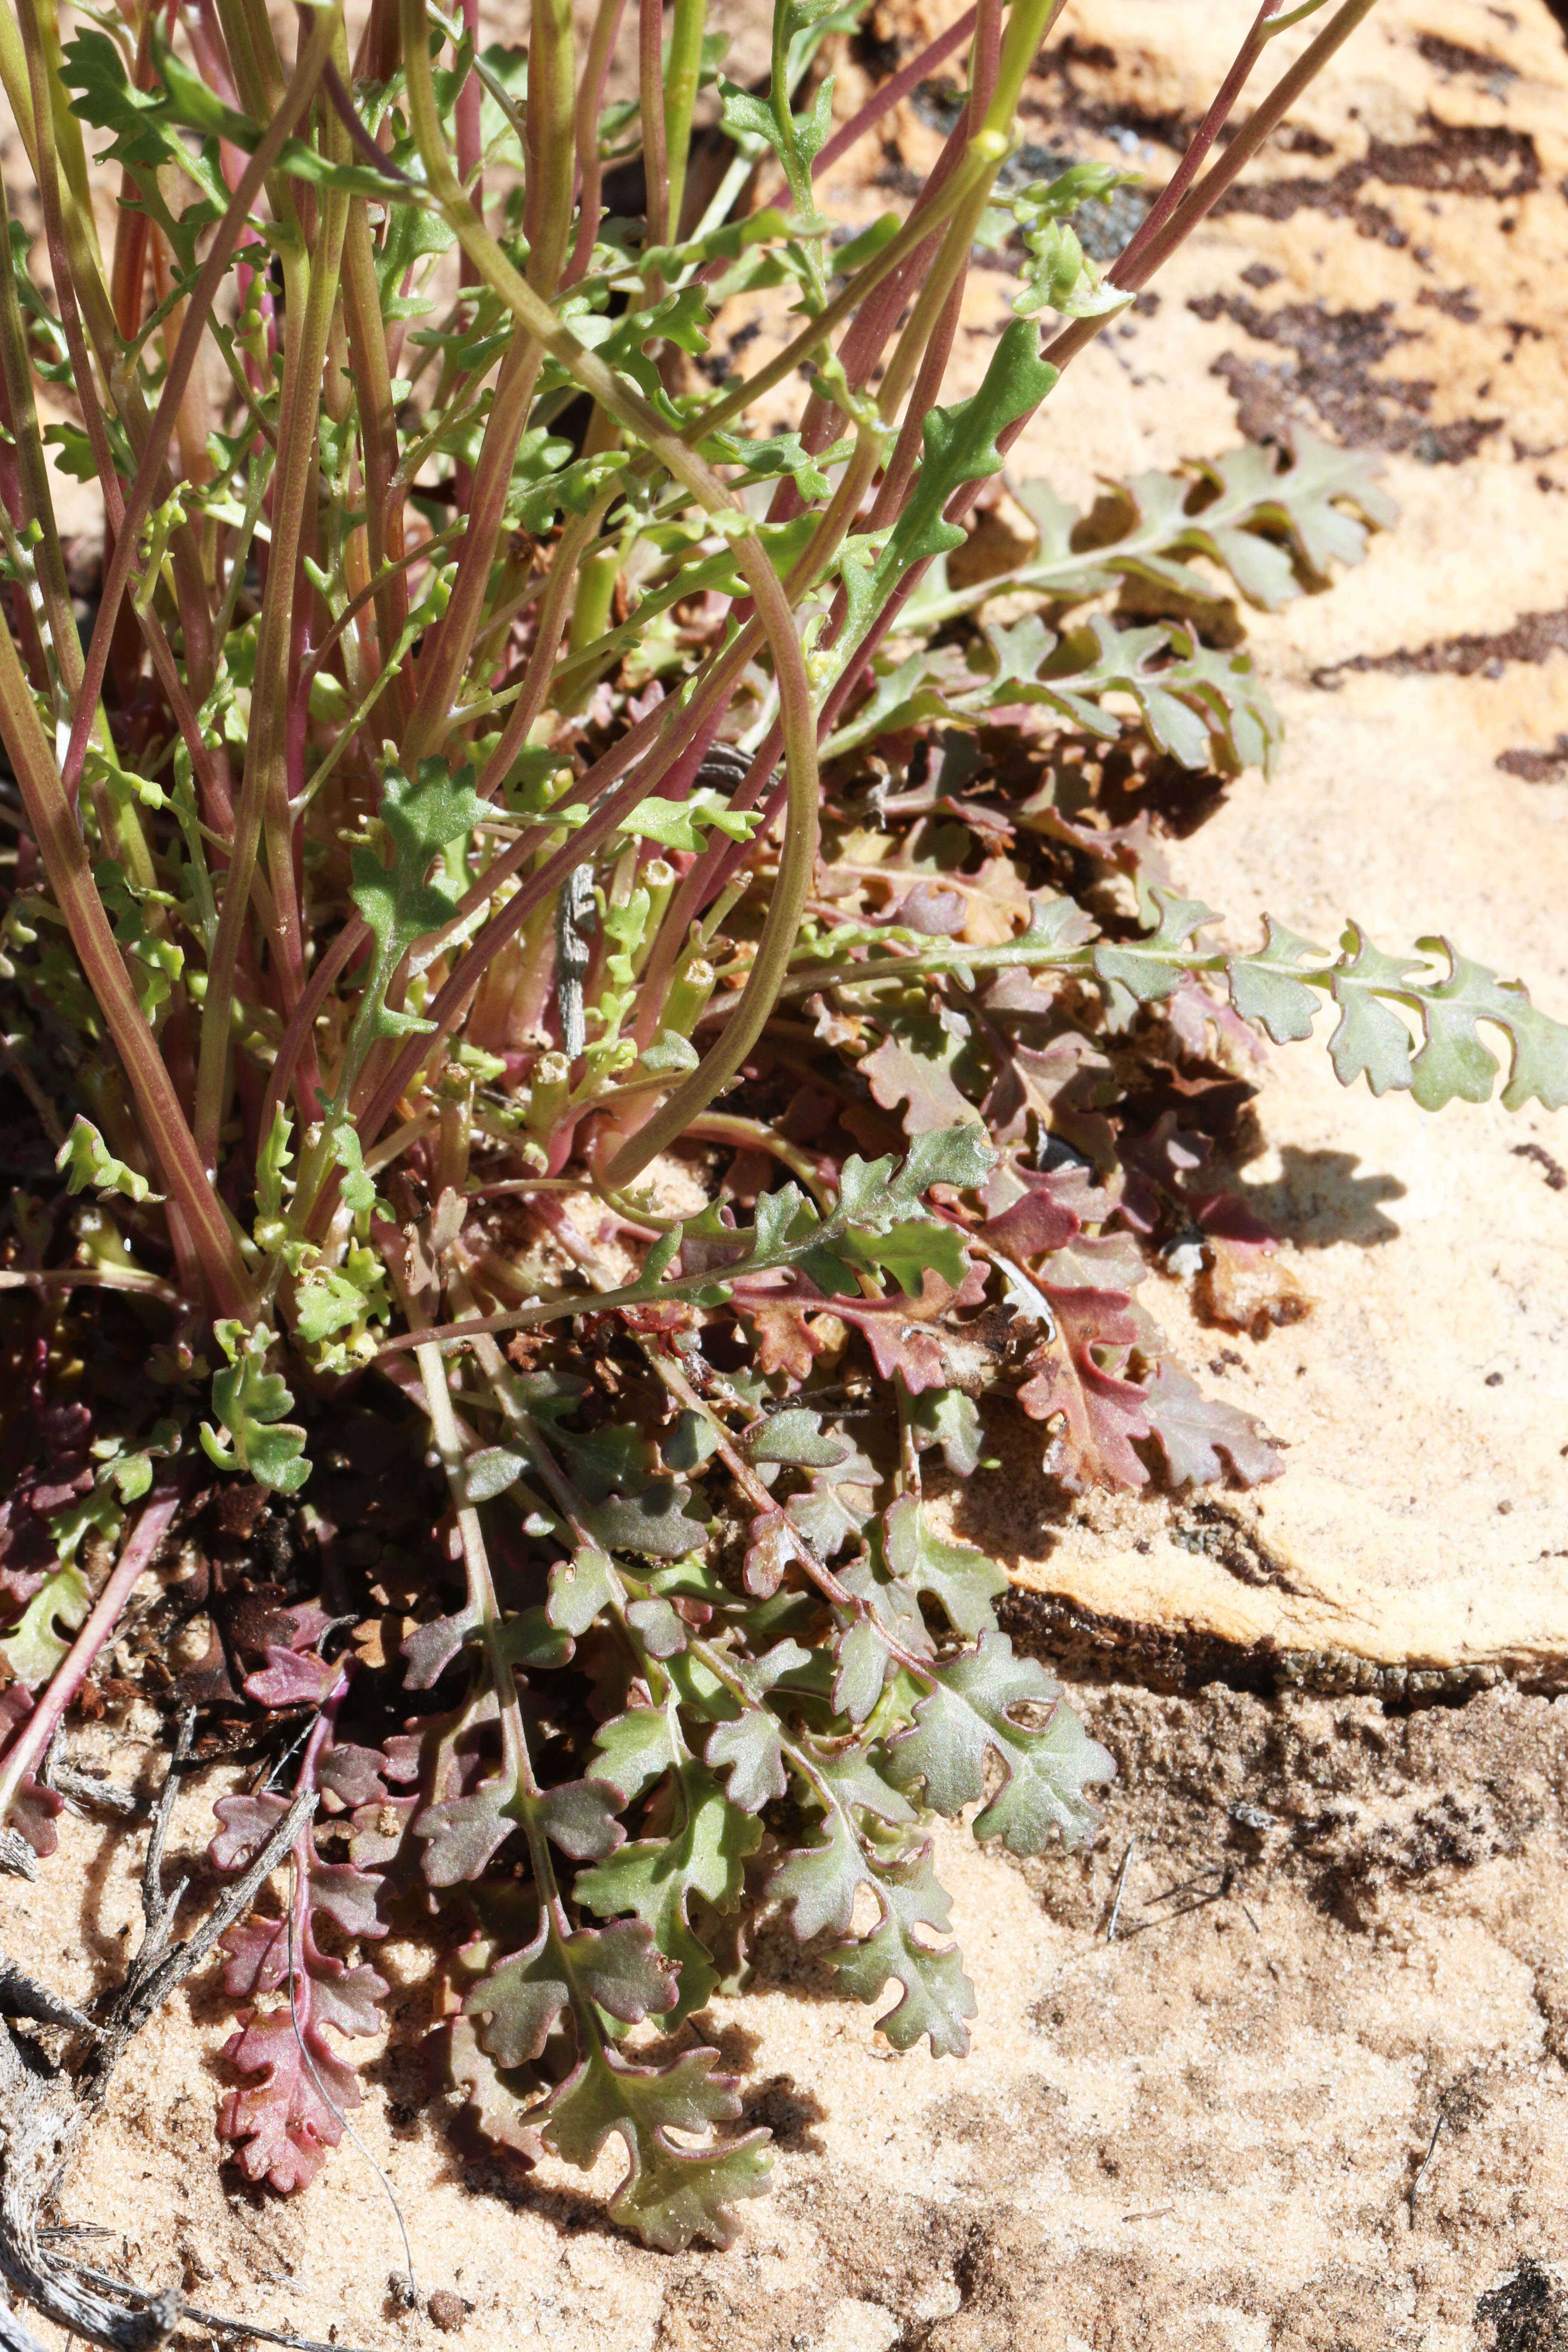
(140, 1551)
(656, 163)
(899, 86)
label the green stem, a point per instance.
(75, 267)
(264, 791)
(17, 86)
(679, 99)
(782, 97)
(551, 101)
(65, 858)
(644, 424)
(595, 595)
(150, 471)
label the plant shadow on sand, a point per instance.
(1322, 1198)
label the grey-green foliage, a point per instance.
(1436, 1051)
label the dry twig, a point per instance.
(48, 2102)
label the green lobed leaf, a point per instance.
(1264, 986)
(959, 1578)
(250, 1401)
(937, 1997)
(85, 1159)
(461, 1834)
(969, 1716)
(656, 1878)
(580, 1589)
(949, 1418)
(795, 1436)
(402, 901)
(961, 446)
(1451, 1061)
(34, 1648)
(520, 1996)
(671, 2194)
(676, 2194)
(636, 1749)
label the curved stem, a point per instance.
(753, 1135)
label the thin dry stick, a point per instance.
(1120, 1890)
(46, 2107)
(1414, 2190)
(213, 2319)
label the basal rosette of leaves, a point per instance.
(498, 794)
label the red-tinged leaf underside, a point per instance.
(1098, 1416)
(920, 1066)
(287, 2119)
(286, 2122)
(1194, 1432)
(1037, 1223)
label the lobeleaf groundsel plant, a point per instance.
(587, 968)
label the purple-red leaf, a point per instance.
(248, 1822)
(1194, 1432)
(290, 1678)
(286, 2122)
(1096, 1416)
(287, 2119)
(430, 1648)
(1037, 1224)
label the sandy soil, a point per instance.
(1332, 1711)
(1208, 2132)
